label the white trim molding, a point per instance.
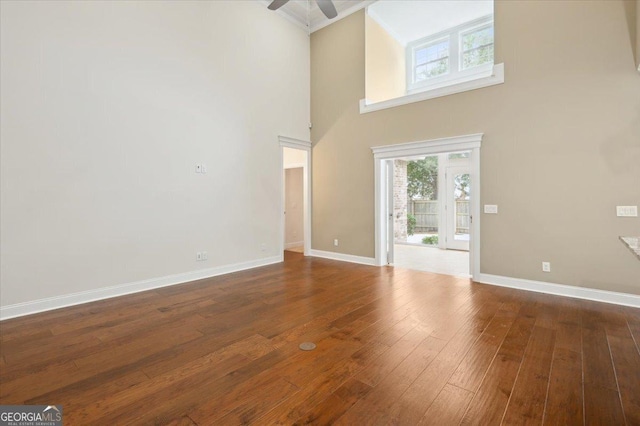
(343, 257)
(433, 146)
(585, 293)
(294, 143)
(494, 77)
(66, 300)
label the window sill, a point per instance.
(495, 76)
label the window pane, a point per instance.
(430, 70)
(431, 60)
(437, 68)
(421, 56)
(477, 38)
(438, 50)
(477, 47)
(479, 56)
(420, 73)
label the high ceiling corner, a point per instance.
(307, 14)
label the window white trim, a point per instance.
(455, 71)
(449, 79)
(489, 78)
(381, 154)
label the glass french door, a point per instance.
(458, 207)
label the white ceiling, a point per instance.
(406, 20)
(302, 11)
(411, 20)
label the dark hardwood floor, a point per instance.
(393, 347)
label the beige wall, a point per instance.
(561, 146)
(106, 109)
(385, 63)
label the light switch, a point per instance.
(198, 168)
(491, 208)
(627, 211)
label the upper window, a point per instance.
(458, 53)
(431, 60)
(418, 50)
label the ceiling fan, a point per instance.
(326, 6)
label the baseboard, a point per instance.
(57, 302)
(605, 296)
(343, 257)
(296, 244)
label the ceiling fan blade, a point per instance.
(327, 7)
(277, 4)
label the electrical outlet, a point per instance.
(203, 168)
(335, 242)
(205, 255)
(546, 266)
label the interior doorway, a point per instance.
(293, 214)
(436, 227)
(296, 195)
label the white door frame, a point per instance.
(381, 154)
(286, 142)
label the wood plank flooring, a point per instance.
(393, 347)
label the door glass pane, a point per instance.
(462, 192)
